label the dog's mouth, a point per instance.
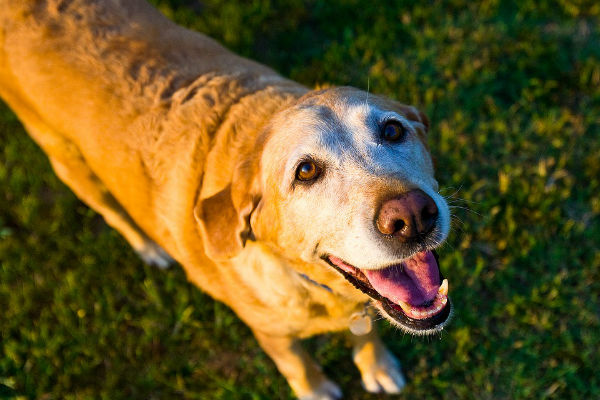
(411, 294)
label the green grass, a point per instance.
(513, 93)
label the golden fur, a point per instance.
(181, 146)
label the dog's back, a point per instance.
(113, 90)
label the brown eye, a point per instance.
(393, 131)
(307, 170)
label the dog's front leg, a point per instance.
(379, 368)
(302, 373)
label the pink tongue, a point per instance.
(415, 282)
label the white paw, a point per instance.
(385, 376)
(326, 391)
(152, 254)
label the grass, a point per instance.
(513, 93)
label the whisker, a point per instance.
(452, 197)
(450, 187)
(460, 199)
(455, 201)
(467, 209)
(458, 229)
(455, 219)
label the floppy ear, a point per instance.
(416, 115)
(420, 116)
(224, 220)
(424, 120)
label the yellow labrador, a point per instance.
(294, 207)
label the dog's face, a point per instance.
(347, 182)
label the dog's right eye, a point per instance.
(307, 171)
(393, 131)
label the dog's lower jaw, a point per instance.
(417, 332)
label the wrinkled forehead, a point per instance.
(333, 129)
(344, 125)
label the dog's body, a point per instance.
(184, 146)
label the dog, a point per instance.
(297, 208)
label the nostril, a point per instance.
(425, 215)
(399, 225)
(429, 215)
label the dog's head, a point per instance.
(346, 180)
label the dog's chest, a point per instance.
(285, 299)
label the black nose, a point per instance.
(409, 216)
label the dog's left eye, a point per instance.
(393, 131)
(307, 171)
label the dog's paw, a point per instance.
(384, 376)
(327, 390)
(154, 255)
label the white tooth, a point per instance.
(405, 306)
(444, 287)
